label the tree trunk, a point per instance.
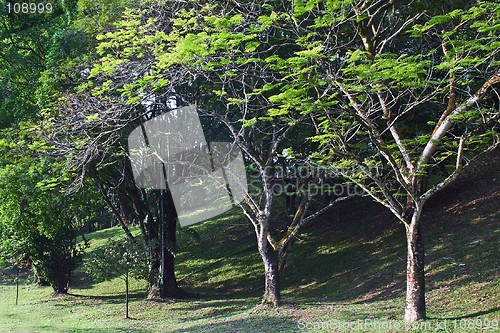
(270, 257)
(415, 274)
(61, 285)
(163, 283)
(153, 278)
(169, 287)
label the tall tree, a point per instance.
(246, 74)
(90, 127)
(393, 130)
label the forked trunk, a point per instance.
(415, 273)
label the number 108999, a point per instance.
(29, 7)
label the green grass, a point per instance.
(345, 274)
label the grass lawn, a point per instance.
(346, 273)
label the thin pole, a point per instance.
(17, 283)
(126, 295)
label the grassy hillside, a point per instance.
(346, 273)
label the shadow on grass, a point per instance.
(359, 255)
(471, 315)
(254, 324)
(110, 298)
(350, 264)
(7, 282)
(211, 309)
(110, 330)
(81, 280)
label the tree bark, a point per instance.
(270, 257)
(163, 283)
(415, 273)
(153, 291)
(169, 287)
(61, 290)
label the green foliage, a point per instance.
(95, 16)
(392, 70)
(470, 36)
(117, 258)
(38, 221)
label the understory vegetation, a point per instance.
(339, 275)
